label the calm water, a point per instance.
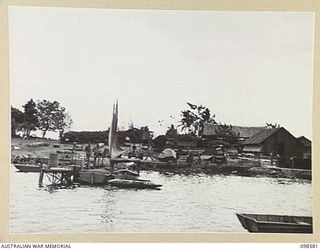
(184, 204)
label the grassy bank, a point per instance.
(36, 148)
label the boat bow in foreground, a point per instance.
(265, 223)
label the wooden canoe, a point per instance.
(265, 223)
(27, 167)
(139, 184)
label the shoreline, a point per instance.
(247, 171)
(35, 153)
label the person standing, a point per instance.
(74, 144)
(105, 154)
(95, 154)
(199, 158)
(88, 154)
(271, 158)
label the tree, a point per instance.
(194, 118)
(17, 118)
(226, 133)
(160, 141)
(172, 132)
(62, 122)
(272, 125)
(30, 120)
(139, 135)
(52, 117)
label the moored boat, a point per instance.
(139, 184)
(125, 174)
(94, 176)
(265, 223)
(27, 167)
(123, 177)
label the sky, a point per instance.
(248, 68)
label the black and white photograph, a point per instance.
(160, 121)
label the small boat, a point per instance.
(94, 176)
(263, 223)
(139, 184)
(27, 167)
(125, 174)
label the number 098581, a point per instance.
(309, 246)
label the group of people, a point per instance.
(98, 152)
(140, 153)
(219, 157)
(190, 158)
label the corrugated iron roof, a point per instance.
(261, 136)
(245, 132)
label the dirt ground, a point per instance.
(36, 148)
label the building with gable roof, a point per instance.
(211, 131)
(276, 142)
(306, 146)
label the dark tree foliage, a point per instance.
(142, 135)
(160, 141)
(194, 118)
(172, 132)
(30, 121)
(272, 125)
(85, 136)
(225, 132)
(17, 118)
(135, 135)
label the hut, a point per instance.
(277, 142)
(306, 146)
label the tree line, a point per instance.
(42, 115)
(132, 134)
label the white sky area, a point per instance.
(248, 68)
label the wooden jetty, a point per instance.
(57, 175)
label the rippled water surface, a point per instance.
(197, 203)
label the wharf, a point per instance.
(57, 175)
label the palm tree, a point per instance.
(193, 120)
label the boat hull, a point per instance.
(261, 223)
(138, 184)
(125, 174)
(27, 168)
(94, 176)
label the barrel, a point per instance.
(53, 160)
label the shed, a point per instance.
(275, 141)
(306, 146)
